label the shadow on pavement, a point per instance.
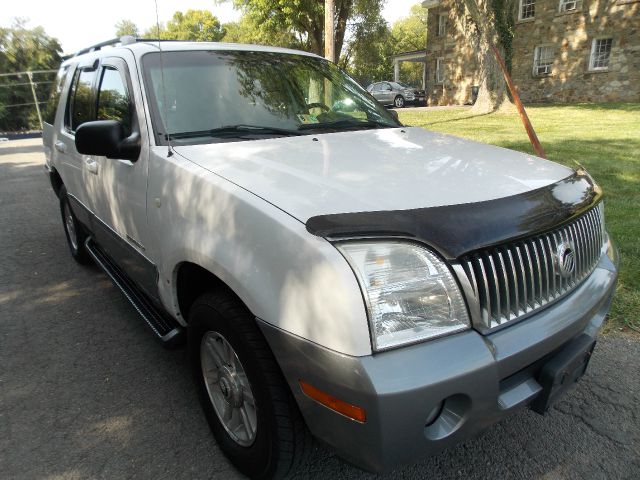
(86, 392)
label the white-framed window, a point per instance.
(543, 57)
(440, 70)
(569, 5)
(442, 24)
(527, 9)
(600, 53)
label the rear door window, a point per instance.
(113, 99)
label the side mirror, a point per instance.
(106, 138)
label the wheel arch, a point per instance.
(56, 181)
(191, 281)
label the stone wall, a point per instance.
(571, 35)
(461, 66)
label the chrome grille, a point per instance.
(512, 280)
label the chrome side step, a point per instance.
(161, 325)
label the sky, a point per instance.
(81, 23)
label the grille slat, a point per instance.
(522, 279)
(507, 287)
(545, 265)
(580, 257)
(592, 235)
(557, 237)
(516, 286)
(539, 277)
(552, 265)
(495, 284)
(485, 302)
(515, 279)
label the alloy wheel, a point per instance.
(228, 388)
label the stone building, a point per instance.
(563, 51)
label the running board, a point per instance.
(163, 327)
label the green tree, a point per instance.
(304, 19)
(246, 30)
(192, 25)
(367, 56)
(409, 34)
(369, 50)
(24, 49)
(126, 27)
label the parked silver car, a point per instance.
(396, 93)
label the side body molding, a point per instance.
(137, 266)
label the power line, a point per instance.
(21, 84)
(26, 73)
(20, 104)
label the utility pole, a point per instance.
(329, 31)
(35, 97)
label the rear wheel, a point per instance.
(73, 230)
(398, 102)
(245, 398)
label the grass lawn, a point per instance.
(603, 138)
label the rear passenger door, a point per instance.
(376, 92)
(80, 108)
(386, 93)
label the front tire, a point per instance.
(398, 102)
(245, 398)
(73, 230)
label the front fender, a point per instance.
(286, 276)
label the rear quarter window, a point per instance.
(49, 114)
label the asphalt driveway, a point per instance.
(86, 392)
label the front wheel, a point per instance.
(398, 102)
(245, 398)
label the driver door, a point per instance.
(120, 194)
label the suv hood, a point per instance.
(373, 170)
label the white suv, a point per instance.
(386, 289)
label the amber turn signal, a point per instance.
(329, 401)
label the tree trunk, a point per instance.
(329, 31)
(343, 14)
(493, 91)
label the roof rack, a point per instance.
(125, 40)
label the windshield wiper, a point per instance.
(345, 123)
(233, 130)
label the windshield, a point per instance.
(213, 96)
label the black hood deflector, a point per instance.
(454, 230)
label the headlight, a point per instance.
(410, 293)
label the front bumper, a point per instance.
(423, 398)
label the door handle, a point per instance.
(60, 146)
(92, 165)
